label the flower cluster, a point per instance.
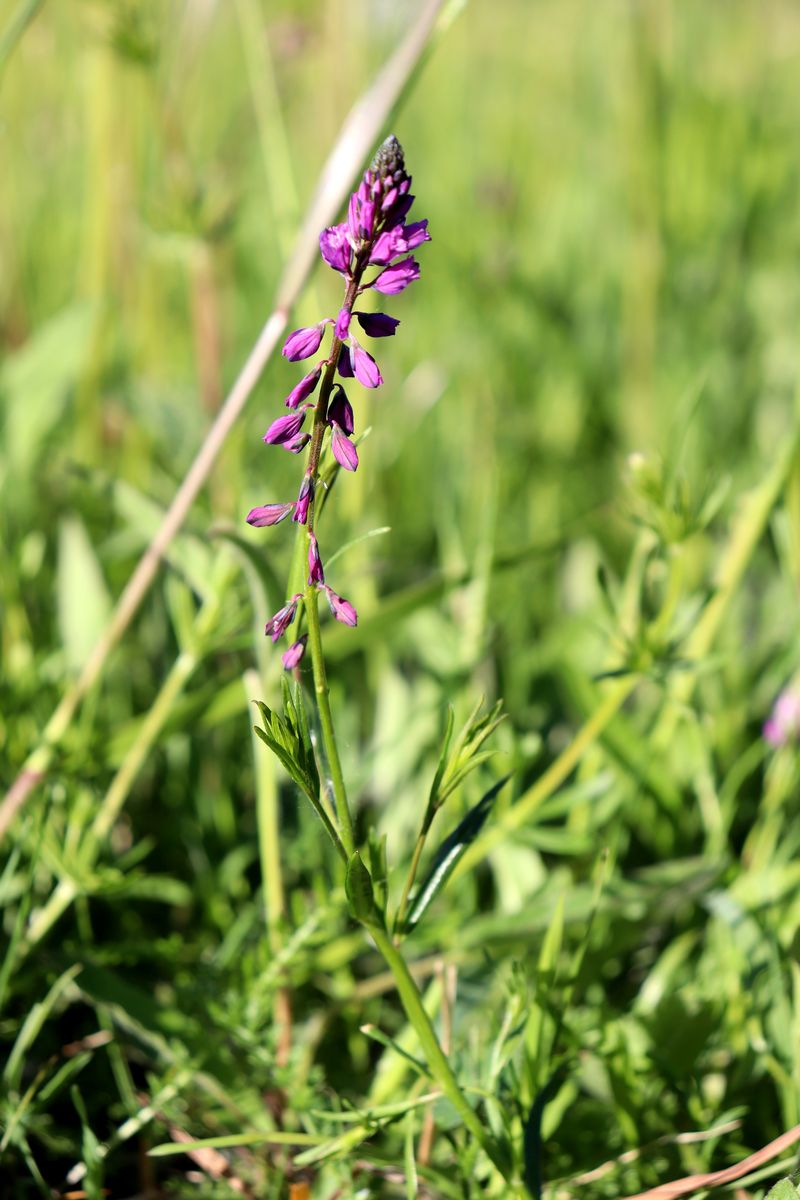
(375, 235)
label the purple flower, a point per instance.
(303, 389)
(304, 498)
(364, 366)
(343, 449)
(399, 211)
(342, 609)
(269, 514)
(344, 366)
(297, 444)
(387, 246)
(315, 571)
(377, 325)
(304, 342)
(415, 234)
(783, 724)
(340, 410)
(396, 278)
(283, 618)
(342, 325)
(291, 657)
(285, 429)
(335, 248)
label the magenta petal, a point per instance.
(343, 449)
(364, 366)
(303, 342)
(335, 248)
(342, 609)
(283, 618)
(291, 657)
(285, 429)
(415, 234)
(340, 410)
(297, 444)
(316, 573)
(344, 366)
(304, 498)
(387, 246)
(396, 278)
(303, 389)
(376, 325)
(268, 514)
(342, 325)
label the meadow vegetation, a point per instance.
(580, 496)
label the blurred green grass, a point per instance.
(612, 193)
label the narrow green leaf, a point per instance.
(276, 1138)
(83, 599)
(450, 851)
(358, 886)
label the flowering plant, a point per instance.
(375, 235)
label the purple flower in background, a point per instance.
(304, 498)
(342, 609)
(375, 234)
(377, 325)
(285, 429)
(269, 514)
(283, 618)
(396, 278)
(343, 449)
(315, 571)
(303, 389)
(364, 366)
(291, 657)
(783, 724)
(340, 410)
(304, 342)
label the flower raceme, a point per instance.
(374, 236)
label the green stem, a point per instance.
(435, 1057)
(412, 874)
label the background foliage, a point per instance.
(612, 192)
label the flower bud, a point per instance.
(269, 514)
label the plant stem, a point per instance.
(435, 1057)
(412, 874)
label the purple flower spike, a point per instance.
(343, 449)
(342, 325)
(304, 342)
(315, 571)
(340, 410)
(292, 657)
(396, 278)
(335, 248)
(283, 618)
(342, 609)
(305, 496)
(269, 514)
(377, 325)
(364, 366)
(303, 389)
(284, 429)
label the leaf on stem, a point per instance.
(448, 854)
(358, 886)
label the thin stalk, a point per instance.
(435, 1057)
(412, 875)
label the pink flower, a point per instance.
(303, 389)
(342, 325)
(396, 278)
(342, 609)
(291, 657)
(364, 366)
(304, 498)
(340, 410)
(783, 724)
(285, 429)
(304, 342)
(377, 325)
(269, 514)
(343, 449)
(315, 571)
(283, 618)
(335, 248)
